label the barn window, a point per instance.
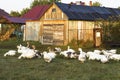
(53, 14)
(54, 10)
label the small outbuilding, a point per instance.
(9, 24)
(61, 23)
(33, 23)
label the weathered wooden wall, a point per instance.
(53, 32)
(70, 29)
(54, 13)
(80, 30)
(32, 30)
(54, 27)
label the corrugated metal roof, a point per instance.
(14, 19)
(3, 13)
(36, 12)
(81, 12)
(11, 19)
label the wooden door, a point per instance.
(53, 34)
(97, 37)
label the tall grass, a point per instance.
(59, 69)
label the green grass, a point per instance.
(59, 69)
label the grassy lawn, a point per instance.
(59, 69)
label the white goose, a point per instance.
(82, 56)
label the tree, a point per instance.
(111, 30)
(119, 7)
(24, 11)
(34, 3)
(38, 2)
(15, 13)
(96, 4)
(42, 2)
(54, 1)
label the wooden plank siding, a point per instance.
(32, 30)
(80, 30)
(73, 29)
(54, 13)
(55, 28)
(56, 21)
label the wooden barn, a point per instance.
(33, 23)
(62, 23)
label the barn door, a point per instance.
(53, 34)
(97, 36)
(47, 34)
(58, 34)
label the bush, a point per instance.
(115, 33)
(111, 31)
(86, 44)
(81, 44)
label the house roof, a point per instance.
(3, 13)
(36, 12)
(82, 12)
(14, 19)
(10, 19)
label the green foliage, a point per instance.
(15, 13)
(42, 2)
(86, 44)
(96, 4)
(24, 11)
(54, 1)
(81, 44)
(33, 4)
(38, 2)
(111, 30)
(119, 7)
(115, 32)
(73, 44)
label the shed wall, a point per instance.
(72, 29)
(80, 30)
(54, 13)
(54, 26)
(53, 32)
(32, 30)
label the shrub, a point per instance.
(81, 43)
(115, 33)
(111, 31)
